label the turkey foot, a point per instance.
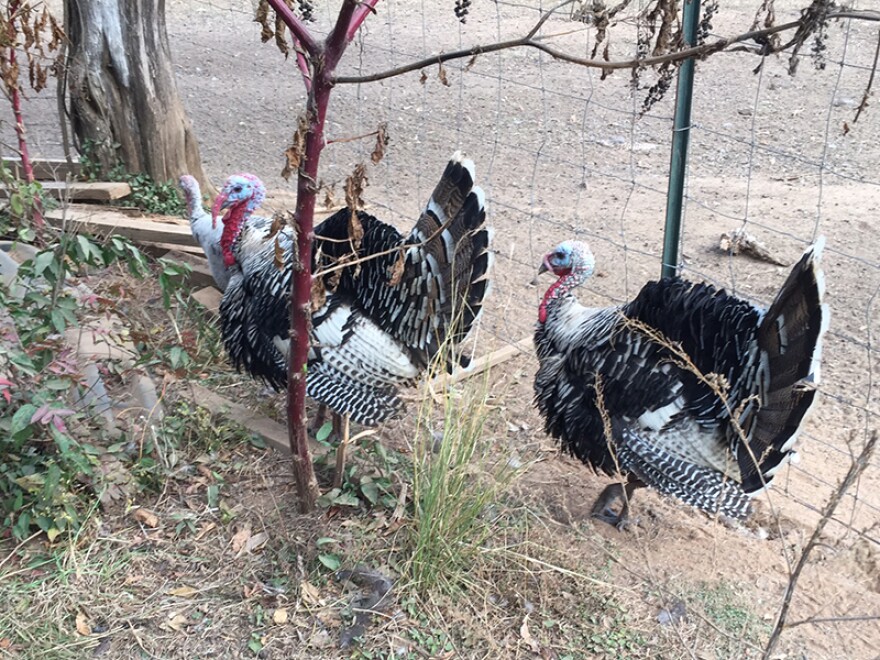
(602, 508)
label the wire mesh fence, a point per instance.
(564, 153)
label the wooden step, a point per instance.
(96, 191)
(45, 169)
(109, 222)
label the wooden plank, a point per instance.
(161, 249)
(273, 433)
(45, 169)
(200, 273)
(486, 362)
(209, 298)
(109, 222)
(98, 191)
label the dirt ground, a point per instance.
(564, 154)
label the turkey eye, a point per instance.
(559, 256)
(237, 189)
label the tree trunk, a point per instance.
(123, 95)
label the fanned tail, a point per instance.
(789, 352)
(453, 255)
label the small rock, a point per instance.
(675, 613)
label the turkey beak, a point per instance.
(220, 204)
(541, 270)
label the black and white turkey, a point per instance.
(686, 389)
(384, 319)
(204, 230)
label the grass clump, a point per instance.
(456, 482)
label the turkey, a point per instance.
(666, 425)
(383, 320)
(206, 233)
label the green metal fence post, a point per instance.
(681, 134)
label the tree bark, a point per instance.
(123, 95)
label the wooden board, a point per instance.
(273, 433)
(209, 298)
(45, 169)
(109, 222)
(486, 362)
(99, 191)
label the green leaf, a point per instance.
(370, 491)
(58, 321)
(324, 540)
(213, 495)
(346, 499)
(22, 418)
(42, 261)
(85, 247)
(17, 204)
(330, 561)
(255, 645)
(324, 432)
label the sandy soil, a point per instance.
(563, 154)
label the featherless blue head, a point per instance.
(240, 189)
(570, 257)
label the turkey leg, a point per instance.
(340, 449)
(602, 508)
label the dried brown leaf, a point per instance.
(381, 142)
(240, 538)
(294, 153)
(146, 517)
(355, 231)
(354, 187)
(175, 622)
(204, 530)
(329, 198)
(82, 625)
(423, 78)
(471, 62)
(281, 36)
(256, 542)
(183, 592)
(279, 616)
(309, 593)
(261, 16)
(527, 636)
(278, 221)
(441, 74)
(396, 273)
(319, 294)
(278, 256)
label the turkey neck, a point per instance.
(232, 224)
(559, 289)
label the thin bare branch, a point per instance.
(855, 471)
(303, 63)
(834, 619)
(364, 9)
(529, 40)
(864, 103)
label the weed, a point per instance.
(455, 486)
(727, 609)
(53, 463)
(146, 193)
